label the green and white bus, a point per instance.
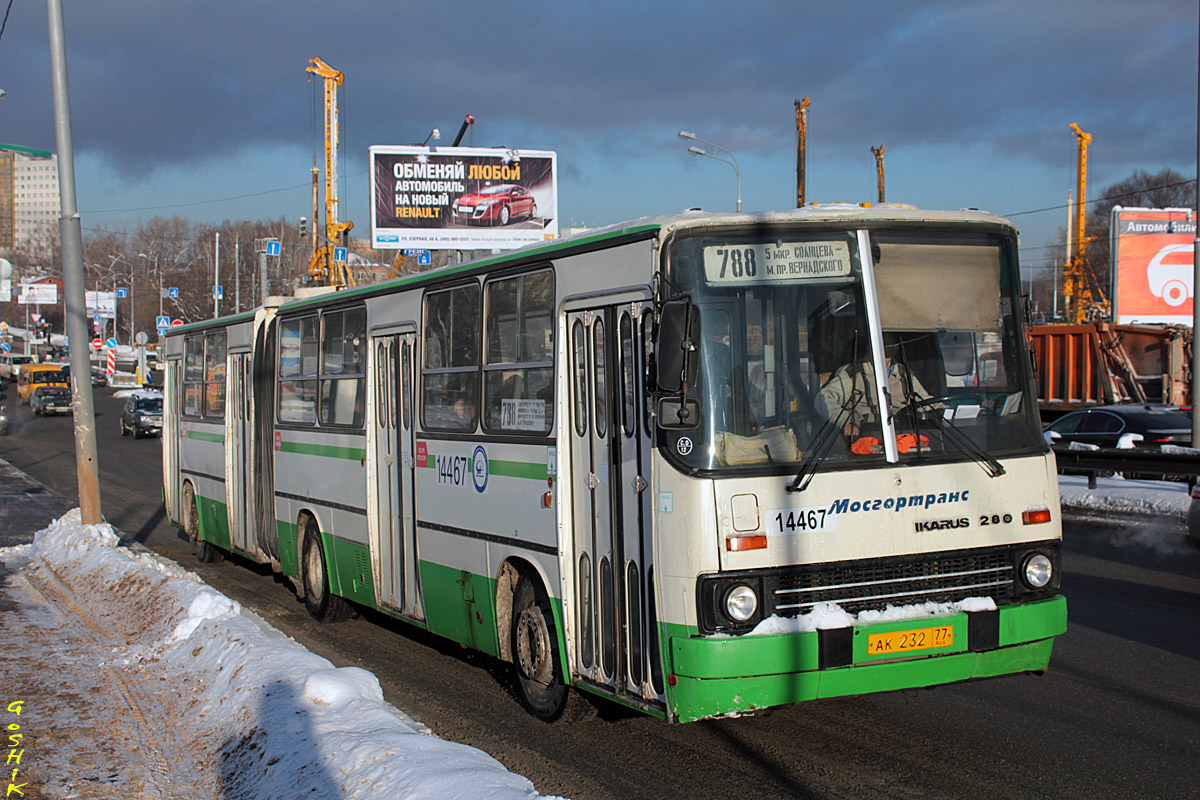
(649, 462)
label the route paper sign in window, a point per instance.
(776, 263)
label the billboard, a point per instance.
(37, 294)
(462, 198)
(1152, 253)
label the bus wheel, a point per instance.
(322, 604)
(535, 658)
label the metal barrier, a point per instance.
(1173, 462)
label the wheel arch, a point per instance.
(508, 577)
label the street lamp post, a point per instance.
(731, 161)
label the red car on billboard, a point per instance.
(496, 205)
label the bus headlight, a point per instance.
(1037, 571)
(741, 602)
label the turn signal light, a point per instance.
(757, 541)
(547, 500)
(1035, 516)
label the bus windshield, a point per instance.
(789, 352)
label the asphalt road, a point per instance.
(1117, 715)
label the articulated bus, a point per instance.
(652, 462)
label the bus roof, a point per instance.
(840, 214)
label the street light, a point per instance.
(696, 151)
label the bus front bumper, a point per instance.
(716, 676)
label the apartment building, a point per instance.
(29, 201)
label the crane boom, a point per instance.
(1081, 288)
(323, 269)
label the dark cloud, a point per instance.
(167, 84)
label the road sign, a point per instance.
(218, 292)
(122, 293)
(97, 344)
(173, 292)
(339, 254)
(111, 343)
(272, 247)
(175, 323)
(5, 347)
(162, 322)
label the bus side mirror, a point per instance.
(676, 350)
(675, 414)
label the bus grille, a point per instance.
(862, 587)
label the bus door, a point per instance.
(393, 511)
(609, 481)
(239, 452)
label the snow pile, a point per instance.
(273, 719)
(830, 615)
(1120, 496)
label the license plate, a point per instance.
(882, 644)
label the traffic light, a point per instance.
(303, 227)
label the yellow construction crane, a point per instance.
(878, 151)
(323, 269)
(1082, 291)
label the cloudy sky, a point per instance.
(204, 109)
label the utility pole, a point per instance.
(71, 233)
(878, 151)
(237, 274)
(217, 277)
(801, 148)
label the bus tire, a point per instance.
(539, 681)
(322, 604)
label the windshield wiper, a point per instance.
(823, 441)
(950, 434)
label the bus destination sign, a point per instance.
(775, 262)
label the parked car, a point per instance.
(1143, 426)
(3, 423)
(496, 205)
(142, 415)
(47, 400)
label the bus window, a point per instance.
(193, 375)
(579, 370)
(628, 379)
(450, 373)
(601, 384)
(214, 375)
(406, 385)
(298, 371)
(343, 367)
(518, 389)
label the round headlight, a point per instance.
(1038, 570)
(740, 603)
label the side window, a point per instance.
(343, 367)
(450, 366)
(406, 384)
(193, 375)
(579, 373)
(518, 389)
(298, 371)
(628, 374)
(601, 378)
(214, 375)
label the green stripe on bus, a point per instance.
(205, 437)
(517, 469)
(325, 450)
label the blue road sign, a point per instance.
(173, 292)
(162, 322)
(121, 293)
(111, 344)
(272, 248)
(5, 346)
(218, 292)
(339, 254)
